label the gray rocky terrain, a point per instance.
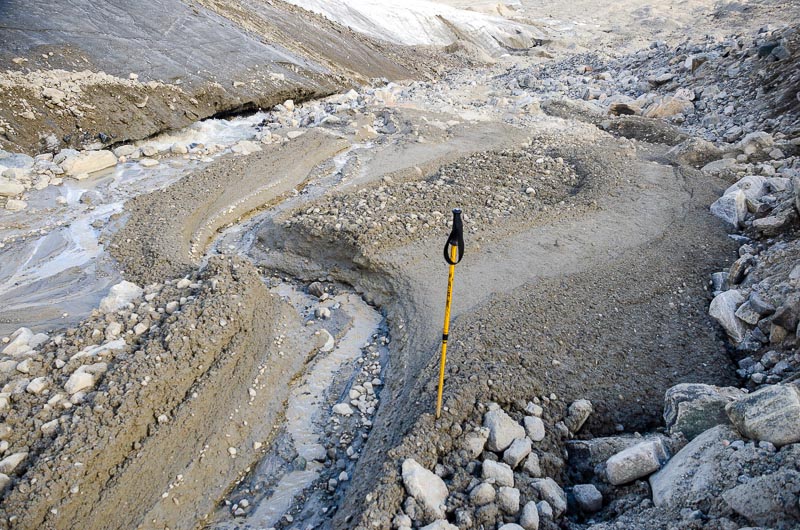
(234, 322)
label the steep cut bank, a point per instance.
(105, 456)
(86, 75)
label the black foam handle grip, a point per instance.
(455, 239)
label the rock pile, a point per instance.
(500, 475)
(702, 86)
(45, 379)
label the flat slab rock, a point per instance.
(697, 472)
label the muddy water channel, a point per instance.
(327, 419)
(54, 268)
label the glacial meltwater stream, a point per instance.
(54, 269)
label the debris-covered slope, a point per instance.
(83, 73)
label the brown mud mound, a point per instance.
(495, 189)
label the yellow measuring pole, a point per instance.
(445, 332)
(453, 252)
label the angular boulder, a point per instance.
(692, 408)
(508, 500)
(500, 473)
(532, 466)
(731, 208)
(771, 414)
(723, 309)
(503, 429)
(483, 493)
(697, 472)
(517, 451)
(19, 343)
(529, 520)
(551, 492)
(534, 428)
(426, 487)
(588, 498)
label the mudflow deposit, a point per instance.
(222, 285)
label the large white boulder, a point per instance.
(731, 208)
(635, 462)
(426, 487)
(119, 296)
(723, 309)
(503, 429)
(87, 162)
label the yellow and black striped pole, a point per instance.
(453, 252)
